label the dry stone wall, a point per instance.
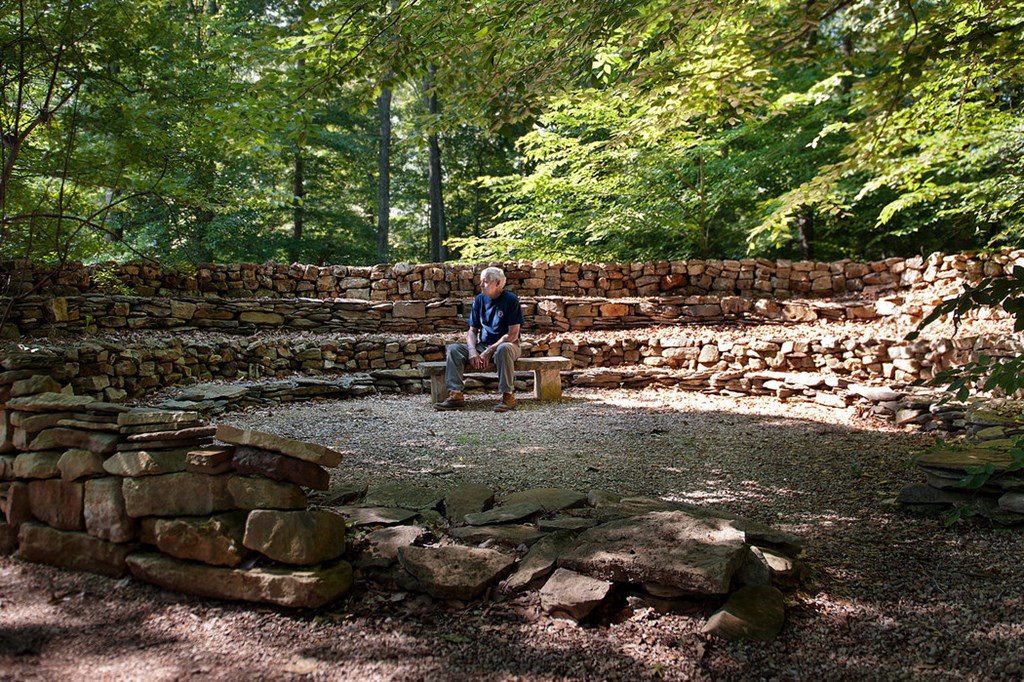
(779, 279)
(100, 487)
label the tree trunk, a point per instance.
(384, 176)
(805, 227)
(298, 191)
(438, 233)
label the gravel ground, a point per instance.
(892, 596)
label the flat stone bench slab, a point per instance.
(547, 382)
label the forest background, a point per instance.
(352, 132)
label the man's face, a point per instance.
(491, 287)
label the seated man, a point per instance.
(493, 336)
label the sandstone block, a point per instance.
(249, 460)
(310, 452)
(454, 572)
(215, 540)
(57, 503)
(296, 537)
(146, 462)
(38, 464)
(573, 595)
(694, 554)
(75, 464)
(14, 503)
(209, 461)
(751, 613)
(74, 551)
(180, 494)
(254, 492)
(403, 495)
(146, 416)
(469, 498)
(548, 499)
(310, 589)
(540, 561)
(105, 514)
(62, 437)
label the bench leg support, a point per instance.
(438, 390)
(547, 384)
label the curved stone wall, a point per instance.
(780, 279)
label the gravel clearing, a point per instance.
(892, 596)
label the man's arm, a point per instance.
(472, 338)
(511, 336)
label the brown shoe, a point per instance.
(508, 402)
(456, 401)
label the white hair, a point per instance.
(494, 275)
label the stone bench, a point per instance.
(547, 383)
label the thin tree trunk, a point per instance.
(298, 192)
(438, 233)
(384, 176)
(805, 228)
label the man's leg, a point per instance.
(456, 359)
(505, 360)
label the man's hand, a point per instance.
(478, 361)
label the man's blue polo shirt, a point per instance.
(495, 315)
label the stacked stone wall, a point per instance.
(113, 370)
(95, 486)
(38, 316)
(779, 279)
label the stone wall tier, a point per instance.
(99, 314)
(403, 281)
(116, 369)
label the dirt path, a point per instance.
(893, 596)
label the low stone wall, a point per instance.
(99, 487)
(780, 279)
(38, 316)
(116, 369)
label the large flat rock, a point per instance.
(294, 588)
(454, 572)
(696, 555)
(309, 452)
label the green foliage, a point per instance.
(984, 373)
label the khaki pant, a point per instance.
(504, 359)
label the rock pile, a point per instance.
(984, 475)
(96, 486)
(590, 555)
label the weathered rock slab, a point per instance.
(57, 503)
(249, 460)
(181, 494)
(215, 540)
(503, 514)
(403, 495)
(469, 498)
(254, 492)
(302, 538)
(540, 561)
(310, 452)
(571, 594)
(511, 534)
(72, 550)
(306, 588)
(754, 613)
(454, 572)
(548, 499)
(104, 510)
(146, 462)
(694, 554)
(76, 463)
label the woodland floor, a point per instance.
(892, 596)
